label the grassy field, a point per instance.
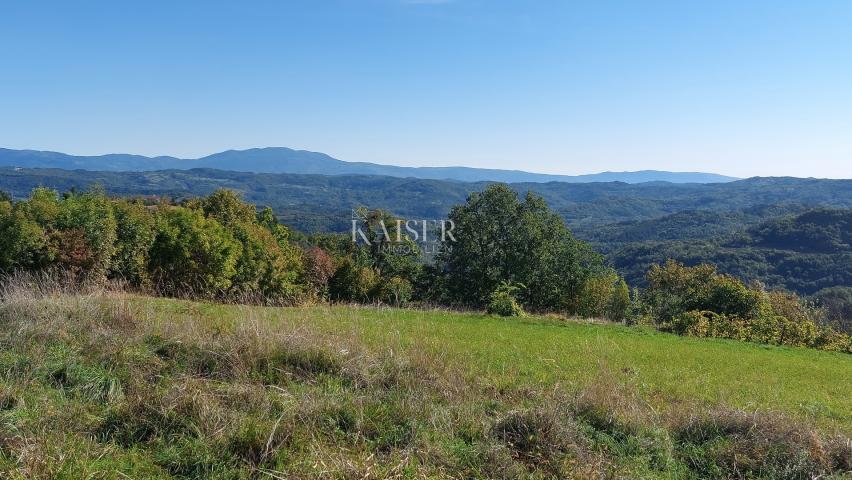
(539, 352)
(109, 385)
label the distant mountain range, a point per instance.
(286, 160)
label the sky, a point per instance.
(732, 87)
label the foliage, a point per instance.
(604, 295)
(502, 239)
(353, 282)
(700, 302)
(619, 302)
(503, 301)
(836, 302)
(134, 238)
(318, 268)
(395, 291)
(76, 232)
(192, 253)
(758, 228)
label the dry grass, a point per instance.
(93, 387)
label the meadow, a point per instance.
(111, 385)
(550, 352)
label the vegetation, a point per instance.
(731, 225)
(698, 301)
(500, 239)
(805, 252)
(106, 385)
(502, 301)
(506, 256)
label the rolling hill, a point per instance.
(743, 226)
(286, 160)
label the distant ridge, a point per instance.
(287, 160)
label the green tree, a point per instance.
(619, 304)
(23, 243)
(502, 239)
(87, 221)
(134, 238)
(192, 254)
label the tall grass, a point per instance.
(94, 386)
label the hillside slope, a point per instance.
(805, 251)
(116, 386)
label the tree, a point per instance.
(353, 282)
(837, 304)
(192, 254)
(502, 239)
(227, 207)
(134, 237)
(23, 242)
(90, 217)
(264, 273)
(619, 305)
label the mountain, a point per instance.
(286, 160)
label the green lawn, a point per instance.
(670, 372)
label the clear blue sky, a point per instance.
(736, 87)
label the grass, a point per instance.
(541, 352)
(108, 385)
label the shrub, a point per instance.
(352, 282)
(88, 224)
(619, 302)
(503, 302)
(264, 273)
(699, 302)
(134, 237)
(192, 254)
(318, 268)
(395, 291)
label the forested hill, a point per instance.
(815, 231)
(747, 227)
(806, 252)
(302, 199)
(287, 160)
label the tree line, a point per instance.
(507, 255)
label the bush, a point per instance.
(192, 254)
(134, 237)
(318, 268)
(503, 302)
(396, 291)
(76, 233)
(352, 282)
(699, 302)
(619, 302)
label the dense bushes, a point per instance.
(700, 302)
(216, 247)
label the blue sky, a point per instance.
(741, 88)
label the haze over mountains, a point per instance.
(286, 160)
